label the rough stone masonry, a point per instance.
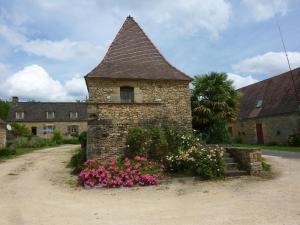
(2, 134)
(133, 86)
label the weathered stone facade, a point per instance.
(248, 158)
(62, 127)
(156, 103)
(2, 134)
(275, 129)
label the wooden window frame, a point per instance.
(126, 94)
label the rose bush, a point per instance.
(157, 142)
(200, 160)
(111, 172)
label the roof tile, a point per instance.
(277, 94)
(132, 55)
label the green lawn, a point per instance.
(271, 147)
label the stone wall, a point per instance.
(2, 135)
(248, 158)
(62, 127)
(276, 129)
(156, 103)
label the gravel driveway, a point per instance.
(36, 189)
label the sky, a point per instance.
(47, 47)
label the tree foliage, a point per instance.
(20, 130)
(4, 108)
(215, 103)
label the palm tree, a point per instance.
(215, 103)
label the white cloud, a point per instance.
(190, 16)
(4, 70)
(269, 63)
(59, 50)
(179, 15)
(76, 87)
(33, 82)
(241, 81)
(62, 50)
(266, 9)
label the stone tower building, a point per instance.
(133, 86)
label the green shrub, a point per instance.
(238, 140)
(265, 165)
(57, 137)
(137, 142)
(294, 139)
(272, 143)
(155, 143)
(37, 142)
(20, 130)
(217, 134)
(77, 161)
(20, 142)
(7, 152)
(83, 139)
(72, 141)
(200, 160)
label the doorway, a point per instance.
(34, 131)
(259, 133)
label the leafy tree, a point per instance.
(4, 108)
(20, 130)
(215, 103)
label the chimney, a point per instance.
(15, 100)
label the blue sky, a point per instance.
(46, 47)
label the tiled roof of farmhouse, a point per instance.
(277, 95)
(36, 111)
(132, 55)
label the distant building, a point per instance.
(133, 86)
(269, 110)
(2, 134)
(42, 118)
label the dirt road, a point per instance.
(36, 189)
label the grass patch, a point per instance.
(8, 153)
(11, 153)
(270, 147)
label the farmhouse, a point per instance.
(269, 110)
(133, 86)
(42, 118)
(2, 134)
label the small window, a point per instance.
(127, 94)
(19, 115)
(73, 129)
(50, 115)
(73, 115)
(259, 103)
(48, 129)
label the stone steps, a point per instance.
(231, 167)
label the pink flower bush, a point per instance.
(109, 172)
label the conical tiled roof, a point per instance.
(132, 55)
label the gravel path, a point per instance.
(36, 189)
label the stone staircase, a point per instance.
(231, 167)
